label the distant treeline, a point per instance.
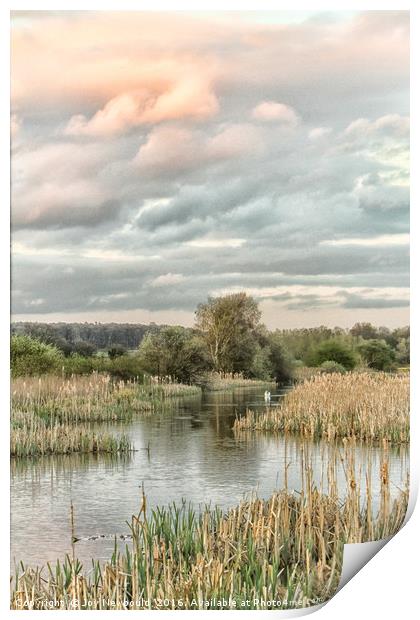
(227, 338)
(89, 337)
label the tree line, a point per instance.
(228, 337)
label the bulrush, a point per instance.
(368, 406)
(284, 551)
(53, 415)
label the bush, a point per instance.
(77, 364)
(329, 366)
(334, 351)
(83, 348)
(126, 367)
(29, 356)
(116, 350)
(377, 354)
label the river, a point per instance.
(188, 452)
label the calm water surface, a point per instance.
(193, 454)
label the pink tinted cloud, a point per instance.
(190, 97)
(179, 149)
(274, 111)
(129, 68)
(92, 58)
(78, 202)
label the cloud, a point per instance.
(207, 242)
(355, 301)
(375, 193)
(169, 155)
(392, 125)
(173, 150)
(319, 132)
(168, 279)
(381, 240)
(190, 98)
(272, 111)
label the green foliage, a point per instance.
(402, 353)
(261, 364)
(29, 356)
(377, 354)
(122, 367)
(83, 348)
(117, 350)
(364, 330)
(125, 367)
(280, 361)
(335, 351)
(174, 352)
(79, 365)
(302, 343)
(228, 325)
(329, 366)
(228, 339)
(101, 335)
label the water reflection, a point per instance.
(188, 452)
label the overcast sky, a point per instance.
(161, 158)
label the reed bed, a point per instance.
(216, 382)
(300, 373)
(32, 436)
(91, 398)
(52, 415)
(285, 551)
(368, 406)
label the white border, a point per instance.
(388, 584)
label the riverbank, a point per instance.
(367, 406)
(287, 549)
(215, 382)
(52, 415)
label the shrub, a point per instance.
(83, 348)
(116, 350)
(77, 364)
(335, 351)
(126, 367)
(329, 366)
(377, 354)
(29, 356)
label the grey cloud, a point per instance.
(355, 301)
(83, 196)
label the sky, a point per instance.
(161, 158)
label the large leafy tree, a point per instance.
(174, 352)
(228, 325)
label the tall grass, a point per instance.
(286, 549)
(51, 415)
(216, 382)
(91, 398)
(368, 406)
(33, 436)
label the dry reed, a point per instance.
(217, 382)
(368, 406)
(51, 415)
(287, 549)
